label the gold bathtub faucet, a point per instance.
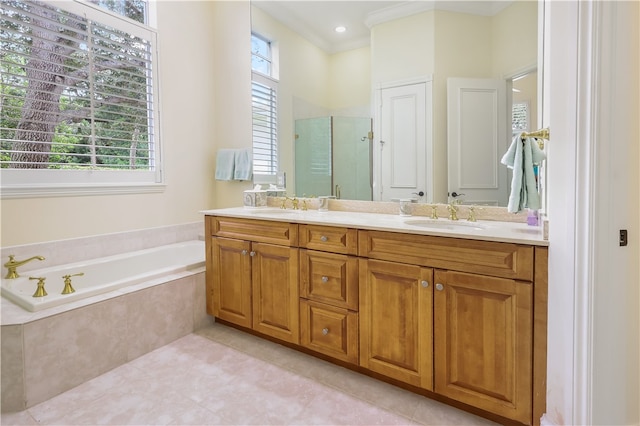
(40, 291)
(68, 288)
(12, 264)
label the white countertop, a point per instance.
(485, 230)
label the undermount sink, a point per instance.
(445, 224)
(273, 211)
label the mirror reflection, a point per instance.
(327, 81)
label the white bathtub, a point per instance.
(103, 274)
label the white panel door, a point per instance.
(477, 138)
(403, 143)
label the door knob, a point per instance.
(419, 194)
(455, 194)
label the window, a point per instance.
(264, 90)
(78, 94)
(520, 117)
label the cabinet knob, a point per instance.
(325, 279)
(324, 239)
(425, 284)
(252, 253)
(244, 252)
(325, 331)
(439, 287)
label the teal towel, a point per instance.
(243, 165)
(225, 164)
(521, 157)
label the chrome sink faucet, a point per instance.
(13, 264)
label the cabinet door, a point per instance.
(231, 280)
(396, 320)
(275, 291)
(483, 335)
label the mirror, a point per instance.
(334, 79)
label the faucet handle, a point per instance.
(40, 291)
(68, 288)
(434, 211)
(472, 213)
(453, 209)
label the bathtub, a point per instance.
(102, 275)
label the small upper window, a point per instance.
(520, 117)
(132, 9)
(78, 93)
(261, 55)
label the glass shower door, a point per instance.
(313, 156)
(352, 157)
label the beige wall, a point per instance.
(312, 83)
(350, 82)
(463, 49)
(449, 44)
(229, 46)
(514, 38)
(403, 48)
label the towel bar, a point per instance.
(538, 134)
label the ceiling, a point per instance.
(316, 20)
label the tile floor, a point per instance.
(220, 376)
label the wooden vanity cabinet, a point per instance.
(396, 321)
(329, 291)
(465, 319)
(254, 275)
(482, 311)
(483, 342)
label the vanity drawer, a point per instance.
(263, 231)
(329, 238)
(329, 330)
(482, 257)
(330, 278)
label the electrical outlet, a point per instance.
(623, 238)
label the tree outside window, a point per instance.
(77, 88)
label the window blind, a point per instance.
(265, 120)
(76, 92)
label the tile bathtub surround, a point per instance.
(54, 353)
(222, 376)
(78, 249)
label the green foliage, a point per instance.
(103, 114)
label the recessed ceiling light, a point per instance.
(340, 29)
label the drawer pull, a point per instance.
(439, 287)
(325, 331)
(325, 279)
(425, 284)
(244, 252)
(252, 253)
(324, 239)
